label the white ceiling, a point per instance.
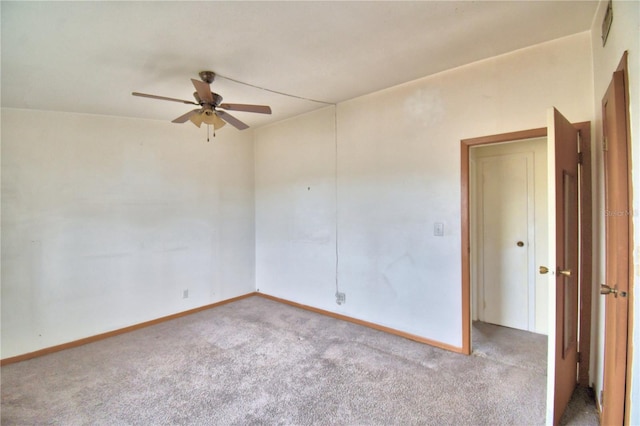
(89, 56)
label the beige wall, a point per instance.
(106, 221)
(397, 154)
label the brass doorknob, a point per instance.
(605, 289)
(520, 244)
(544, 270)
(565, 272)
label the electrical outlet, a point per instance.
(341, 298)
(438, 229)
(185, 294)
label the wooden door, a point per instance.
(505, 214)
(563, 206)
(617, 228)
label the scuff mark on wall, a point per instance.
(425, 106)
(400, 272)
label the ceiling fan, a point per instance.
(209, 103)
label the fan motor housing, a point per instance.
(217, 99)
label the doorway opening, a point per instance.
(508, 237)
(469, 170)
(574, 138)
(508, 192)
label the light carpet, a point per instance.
(256, 361)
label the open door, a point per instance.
(563, 271)
(617, 230)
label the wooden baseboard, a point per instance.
(378, 327)
(108, 334)
(134, 327)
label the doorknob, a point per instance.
(605, 289)
(520, 244)
(565, 272)
(544, 270)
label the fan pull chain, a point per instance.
(214, 131)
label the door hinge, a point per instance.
(579, 357)
(580, 159)
(605, 144)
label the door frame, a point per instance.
(586, 240)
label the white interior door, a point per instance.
(506, 295)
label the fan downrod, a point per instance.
(207, 76)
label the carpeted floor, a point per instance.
(529, 350)
(256, 361)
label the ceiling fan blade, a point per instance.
(185, 117)
(262, 109)
(204, 91)
(232, 120)
(163, 98)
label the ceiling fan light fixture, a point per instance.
(196, 119)
(211, 118)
